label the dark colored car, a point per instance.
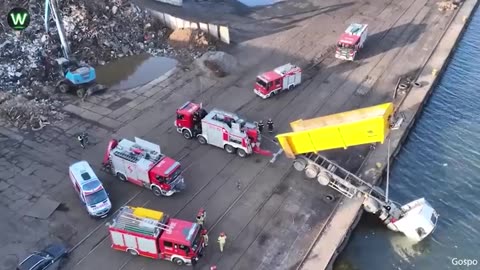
(49, 258)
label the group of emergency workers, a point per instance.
(202, 214)
(260, 125)
(222, 238)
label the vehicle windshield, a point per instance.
(30, 262)
(262, 82)
(175, 174)
(344, 46)
(96, 197)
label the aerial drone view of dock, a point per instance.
(259, 149)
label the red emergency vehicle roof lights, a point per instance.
(92, 186)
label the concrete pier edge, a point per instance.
(334, 236)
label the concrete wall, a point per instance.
(172, 2)
(219, 32)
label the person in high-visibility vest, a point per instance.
(221, 240)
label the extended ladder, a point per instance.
(127, 220)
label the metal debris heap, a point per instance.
(98, 32)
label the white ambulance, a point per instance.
(90, 189)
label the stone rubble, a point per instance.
(97, 32)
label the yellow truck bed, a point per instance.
(341, 130)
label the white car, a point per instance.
(90, 189)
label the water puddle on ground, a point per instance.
(133, 71)
(258, 3)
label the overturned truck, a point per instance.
(416, 219)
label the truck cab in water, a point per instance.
(416, 219)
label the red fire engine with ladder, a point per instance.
(142, 163)
(282, 78)
(351, 41)
(153, 234)
(219, 128)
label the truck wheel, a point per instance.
(80, 93)
(229, 149)
(63, 88)
(323, 178)
(156, 191)
(291, 87)
(122, 177)
(186, 134)
(311, 171)
(202, 140)
(178, 261)
(299, 164)
(241, 153)
(132, 252)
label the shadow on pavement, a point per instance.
(246, 23)
(373, 47)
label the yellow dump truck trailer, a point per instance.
(341, 130)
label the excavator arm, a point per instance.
(51, 9)
(341, 130)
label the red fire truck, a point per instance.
(351, 41)
(153, 234)
(219, 128)
(282, 78)
(142, 163)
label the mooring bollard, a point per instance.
(464, 19)
(434, 72)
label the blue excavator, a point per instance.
(74, 76)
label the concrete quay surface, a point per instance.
(271, 215)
